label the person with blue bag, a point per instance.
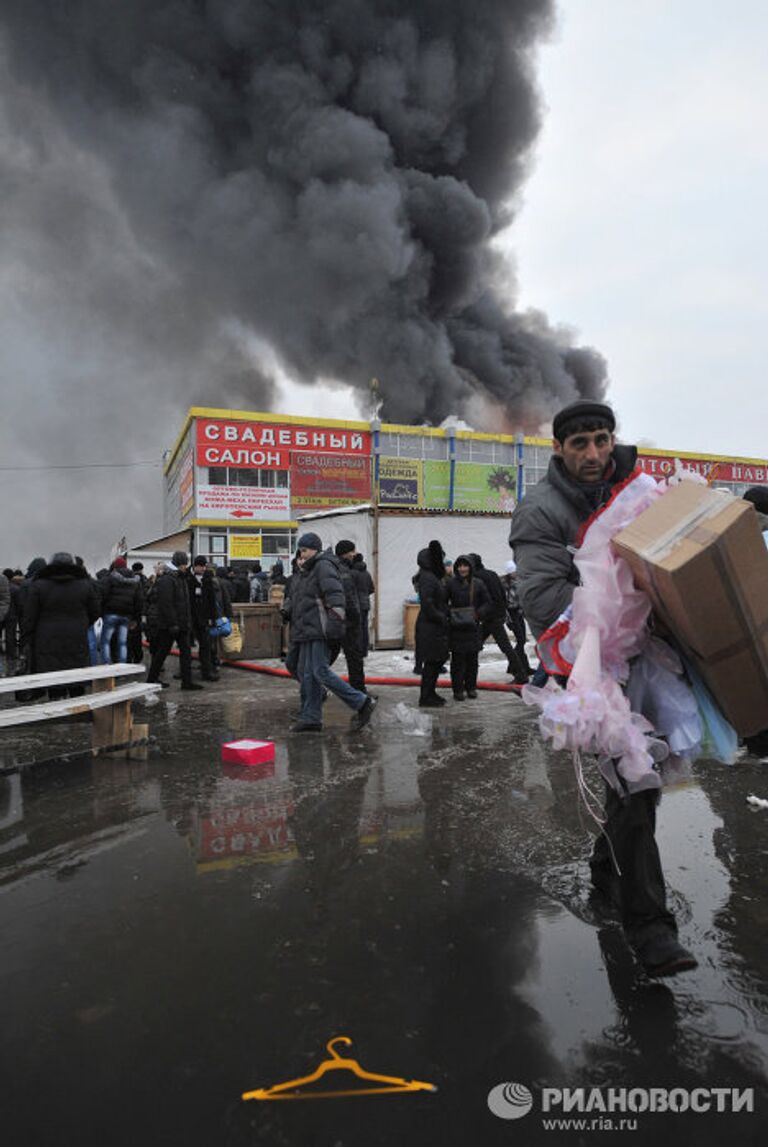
(206, 610)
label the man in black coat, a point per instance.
(318, 615)
(515, 615)
(174, 621)
(493, 624)
(205, 609)
(365, 591)
(135, 647)
(59, 605)
(240, 584)
(352, 642)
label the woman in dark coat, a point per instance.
(468, 593)
(432, 622)
(61, 603)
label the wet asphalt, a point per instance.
(175, 932)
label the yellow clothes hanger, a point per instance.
(288, 1090)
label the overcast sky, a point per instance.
(644, 220)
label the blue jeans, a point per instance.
(314, 673)
(112, 622)
(93, 646)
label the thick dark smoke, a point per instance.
(184, 180)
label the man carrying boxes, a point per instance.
(586, 467)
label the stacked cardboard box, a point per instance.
(700, 555)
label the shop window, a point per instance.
(244, 477)
(217, 475)
(276, 543)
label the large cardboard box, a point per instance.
(700, 556)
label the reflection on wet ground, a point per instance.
(175, 932)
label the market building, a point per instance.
(238, 484)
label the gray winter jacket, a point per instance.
(317, 600)
(543, 533)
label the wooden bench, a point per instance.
(113, 729)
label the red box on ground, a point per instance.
(248, 752)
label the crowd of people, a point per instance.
(462, 603)
(57, 616)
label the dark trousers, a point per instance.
(463, 670)
(517, 625)
(365, 639)
(59, 692)
(135, 649)
(203, 639)
(630, 827)
(352, 649)
(496, 628)
(164, 642)
(11, 634)
(429, 675)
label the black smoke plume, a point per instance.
(185, 181)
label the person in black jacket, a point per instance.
(26, 653)
(135, 634)
(277, 574)
(121, 608)
(494, 622)
(318, 615)
(150, 603)
(10, 623)
(432, 646)
(515, 616)
(225, 589)
(205, 607)
(60, 603)
(352, 642)
(466, 593)
(365, 590)
(174, 621)
(240, 584)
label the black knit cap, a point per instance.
(583, 411)
(344, 547)
(758, 496)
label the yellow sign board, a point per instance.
(243, 547)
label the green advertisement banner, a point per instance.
(477, 486)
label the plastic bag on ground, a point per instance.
(413, 723)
